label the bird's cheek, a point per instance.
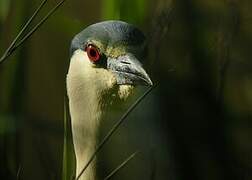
(108, 79)
(112, 81)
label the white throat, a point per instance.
(85, 85)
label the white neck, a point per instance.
(84, 89)
(85, 118)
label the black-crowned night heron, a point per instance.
(104, 67)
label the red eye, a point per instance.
(93, 53)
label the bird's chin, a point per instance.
(124, 91)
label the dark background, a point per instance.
(199, 53)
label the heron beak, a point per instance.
(128, 70)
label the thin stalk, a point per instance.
(14, 45)
(114, 128)
(64, 170)
(38, 25)
(9, 49)
(124, 163)
(68, 152)
(18, 172)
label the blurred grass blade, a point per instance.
(38, 25)
(133, 11)
(68, 151)
(124, 163)
(14, 45)
(18, 172)
(4, 9)
(114, 128)
(10, 48)
(65, 160)
(111, 9)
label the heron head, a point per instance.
(109, 54)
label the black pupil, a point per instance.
(93, 53)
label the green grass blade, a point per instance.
(123, 164)
(38, 25)
(10, 48)
(68, 164)
(14, 45)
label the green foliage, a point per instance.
(4, 9)
(133, 11)
(209, 46)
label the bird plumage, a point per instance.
(112, 37)
(92, 86)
